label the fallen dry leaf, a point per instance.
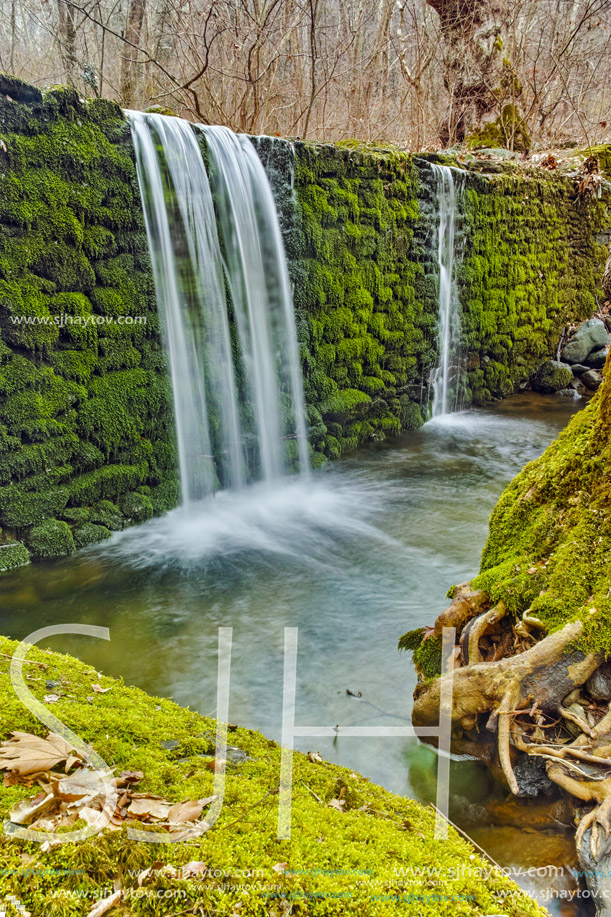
(280, 867)
(337, 804)
(315, 756)
(24, 753)
(100, 690)
(144, 805)
(216, 765)
(189, 810)
(103, 906)
(84, 783)
(26, 810)
(127, 777)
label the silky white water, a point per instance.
(446, 381)
(238, 403)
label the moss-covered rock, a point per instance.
(51, 538)
(13, 554)
(377, 858)
(136, 507)
(552, 376)
(88, 533)
(85, 402)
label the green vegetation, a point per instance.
(358, 852)
(85, 405)
(550, 533)
(534, 264)
(368, 314)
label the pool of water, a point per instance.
(353, 558)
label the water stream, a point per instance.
(446, 377)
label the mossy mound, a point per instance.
(13, 554)
(352, 862)
(550, 533)
(51, 538)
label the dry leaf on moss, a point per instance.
(102, 907)
(24, 753)
(27, 810)
(337, 804)
(189, 810)
(144, 805)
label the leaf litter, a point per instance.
(80, 791)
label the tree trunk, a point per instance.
(474, 36)
(67, 39)
(129, 64)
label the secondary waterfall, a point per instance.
(446, 378)
(225, 304)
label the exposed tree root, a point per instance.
(535, 700)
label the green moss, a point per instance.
(13, 554)
(367, 327)
(51, 538)
(550, 533)
(136, 507)
(359, 856)
(532, 265)
(75, 427)
(88, 533)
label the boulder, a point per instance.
(50, 538)
(579, 369)
(551, 377)
(598, 358)
(592, 335)
(592, 379)
(88, 533)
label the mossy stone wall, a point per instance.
(85, 401)
(534, 258)
(369, 313)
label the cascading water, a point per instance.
(446, 378)
(236, 401)
(260, 291)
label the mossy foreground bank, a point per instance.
(87, 442)
(369, 853)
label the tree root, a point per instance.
(531, 701)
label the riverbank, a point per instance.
(355, 847)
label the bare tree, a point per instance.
(407, 71)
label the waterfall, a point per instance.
(225, 306)
(446, 377)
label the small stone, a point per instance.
(592, 335)
(592, 379)
(532, 777)
(551, 377)
(579, 369)
(599, 684)
(598, 358)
